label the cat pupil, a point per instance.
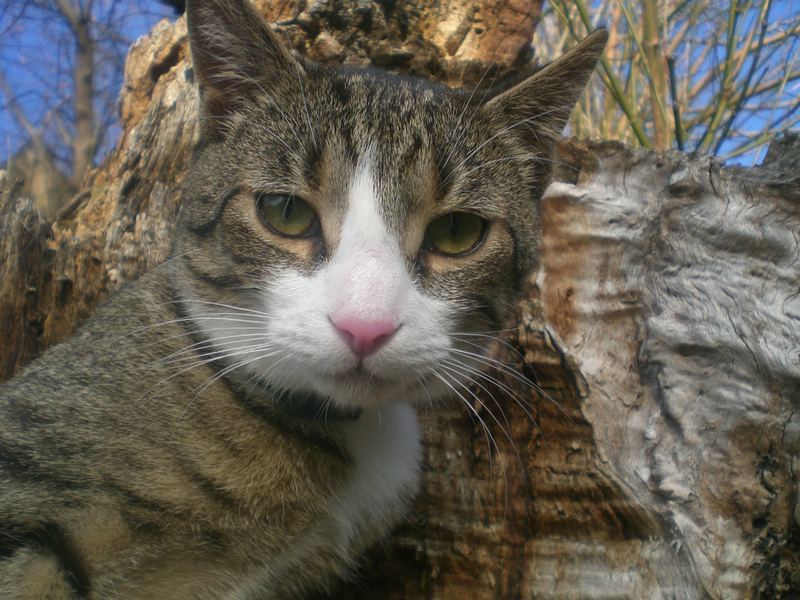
(288, 208)
(453, 225)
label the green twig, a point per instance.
(614, 86)
(762, 139)
(648, 68)
(680, 136)
(764, 19)
(727, 71)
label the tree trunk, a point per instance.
(78, 18)
(656, 454)
(85, 141)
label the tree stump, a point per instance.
(646, 444)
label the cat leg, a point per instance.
(29, 574)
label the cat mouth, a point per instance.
(359, 374)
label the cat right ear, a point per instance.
(539, 107)
(236, 57)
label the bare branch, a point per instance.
(13, 105)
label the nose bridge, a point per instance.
(369, 279)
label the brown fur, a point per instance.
(117, 478)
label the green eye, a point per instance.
(455, 233)
(288, 216)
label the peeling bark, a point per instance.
(657, 454)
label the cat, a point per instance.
(239, 423)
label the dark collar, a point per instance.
(301, 406)
(311, 407)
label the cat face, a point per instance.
(352, 234)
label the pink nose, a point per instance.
(363, 337)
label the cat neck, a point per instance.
(304, 406)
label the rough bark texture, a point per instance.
(660, 455)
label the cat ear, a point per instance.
(540, 105)
(235, 56)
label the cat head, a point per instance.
(353, 234)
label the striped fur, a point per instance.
(207, 434)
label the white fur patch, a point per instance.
(385, 445)
(367, 276)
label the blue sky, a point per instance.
(781, 10)
(35, 61)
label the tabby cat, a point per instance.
(238, 423)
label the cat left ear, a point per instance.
(540, 106)
(236, 57)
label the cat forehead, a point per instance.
(380, 87)
(357, 106)
(365, 225)
(379, 107)
(414, 138)
(376, 206)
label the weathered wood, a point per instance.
(663, 331)
(674, 286)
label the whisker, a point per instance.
(208, 303)
(463, 131)
(189, 368)
(488, 360)
(496, 339)
(201, 332)
(492, 138)
(219, 375)
(217, 339)
(525, 158)
(507, 431)
(421, 383)
(219, 352)
(524, 405)
(501, 366)
(213, 317)
(486, 431)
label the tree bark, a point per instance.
(84, 142)
(656, 454)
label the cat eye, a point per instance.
(455, 233)
(288, 215)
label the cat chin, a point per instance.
(357, 393)
(360, 391)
